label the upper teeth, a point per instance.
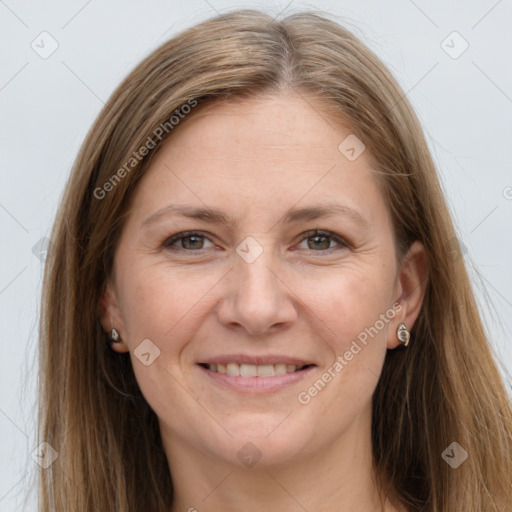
(251, 370)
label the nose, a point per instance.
(257, 297)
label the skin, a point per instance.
(256, 159)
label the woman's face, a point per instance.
(258, 290)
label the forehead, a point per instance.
(266, 154)
(272, 123)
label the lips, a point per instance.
(242, 371)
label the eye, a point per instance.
(189, 241)
(194, 241)
(322, 241)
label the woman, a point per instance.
(255, 301)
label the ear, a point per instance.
(411, 285)
(111, 316)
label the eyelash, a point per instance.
(308, 234)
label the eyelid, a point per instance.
(303, 236)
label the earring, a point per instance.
(403, 335)
(114, 334)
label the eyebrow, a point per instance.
(216, 216)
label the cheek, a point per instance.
(158, 299)
(157, 307)
(352, 304)
(357, 311)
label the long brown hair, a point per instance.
(444, 388)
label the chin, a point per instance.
(259, 443)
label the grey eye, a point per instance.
(321, 241)
(188, 241)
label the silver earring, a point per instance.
(114, 334)
(403, 335)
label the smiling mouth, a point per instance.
(250, 370)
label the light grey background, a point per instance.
(48, 105)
